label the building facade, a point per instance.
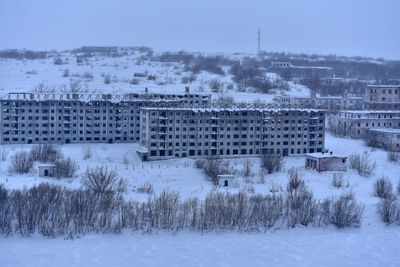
(382, 97)
(229, 132)
(356, 123)
(385, 138)
(80, 118)
(329, 103)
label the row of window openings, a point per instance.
(59, 139)
(235, 136)
(68, 132)
(213, 152)
(285, 143)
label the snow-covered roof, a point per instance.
(386, 130)
(383, 85)
(96, 97)
(324, 155)
(371, 111)
(267, 107)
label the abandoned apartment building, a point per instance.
(81, 118)
(229, 132)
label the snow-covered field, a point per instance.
(373, 244)
(25, 75)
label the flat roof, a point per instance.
(321, 155)
(389, 130)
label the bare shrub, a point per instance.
(212, 167)
(398, 188)
(65, 168)
(3, 154)
(58, 61)
(21, 162)
(383, 188)
(393, 156)
(247, 168)
(295, 179)
(66, 73)
(301, 208)
(389, 210)
(363, 164)
(215, 85)
(134, 81)
(225, 101)
(189, 78)
(107, 79)
(87, 75)
(271, 163)
(146, 188)
(45, 153)
(125, 159)
(337, 180)
(101, 180)
(345, 211)
(87, 153)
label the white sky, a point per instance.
(342, 27)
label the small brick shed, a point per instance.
(46, 170)
(325, 162)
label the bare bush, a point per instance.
(21, 162)
(66, 73)
(383, 188)
(393, 156)
(363, 164)
(216, 85)
(87, 153)
(45, 153)
(101, 180)
(389, 210)
(58, 61)
(345, 211)
(212, 167)
(271, 163)
(65, 168)
(337, 180)
(146, 188)
(247, 168)
(295, 179)
(189, 78)
(3, 154)
(107, 79)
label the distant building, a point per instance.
(287, 70)
(329, 103)
(382, 97)
(385, 138)
(325, 162)
(356, 123)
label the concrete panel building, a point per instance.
(356, 123)
(80, 118)
(229, 132)
(382, 97)
(385, 138)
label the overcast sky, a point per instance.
(342, 27)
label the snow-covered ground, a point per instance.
(25, 75)
(373, 244)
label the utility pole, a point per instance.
(259, 42)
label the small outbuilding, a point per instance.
(226, 180)
(325, 162)
(46, 170)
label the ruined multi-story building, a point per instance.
(228, 132)
(356, 123)
(330, 103)
(80, 118)
(382, 97)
